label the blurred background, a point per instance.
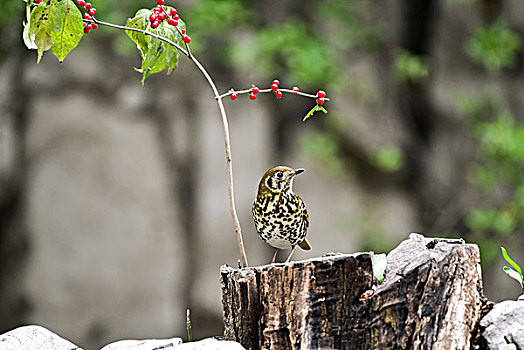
(113, 201)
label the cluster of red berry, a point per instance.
(274, 87)
(320, 96)
(160, 14)
(254, 92)
(88, 16)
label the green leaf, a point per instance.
(140, 21)
(379, 266)
(55, 25)
(157, 55)
(510, 261)
(313, 110)
(71, 29)
(513, 274)
(41, 24)
(28, 41)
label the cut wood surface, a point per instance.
(430, 299)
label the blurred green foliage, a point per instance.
(389, 158)
(497, 171)
(494, 46)
(324, 147)
(408, 67)
(217, 16)
(347, 27)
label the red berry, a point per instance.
(278, 94)
(276, 82)
(80, 3)
(158, 9)
(274, 87)
(153, 17)
(254, 89)
(252, 96)
(183, 31)
(160, 2)
(87, 28)
(176, 17)
(92, 11)
(88, 6)
(233, 96)
(38, 1)
(94, 25)
(162, 16)
(320, 100)
(89, 18)
(321, 94)
(173, 12)
(186, 38)
(172, 22)
(155, 24)
(295, 89)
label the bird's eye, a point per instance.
(280, 174)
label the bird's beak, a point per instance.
(298, 171)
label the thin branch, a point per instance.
(247, 91)
(229, 162)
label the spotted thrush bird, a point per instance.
(280, 215)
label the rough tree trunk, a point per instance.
(431, 298)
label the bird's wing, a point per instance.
(305, 244)
(306, 217)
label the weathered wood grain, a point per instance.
(430, 299)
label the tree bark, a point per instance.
(431, 298)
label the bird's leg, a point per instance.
(274, 256)
(292, 251)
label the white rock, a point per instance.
(503, 327)
(174, 343)
(211, 344)
(34, 338)
(147, 344)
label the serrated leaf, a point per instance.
(510, 261)
(71, 30)
(157, 55)
(379, 266)
(313, 110)
(513, 274)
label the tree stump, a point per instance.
(430, 298)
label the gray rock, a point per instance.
(34, 338)
(415, 251)
(503, 327)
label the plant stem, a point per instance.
(225, 125)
